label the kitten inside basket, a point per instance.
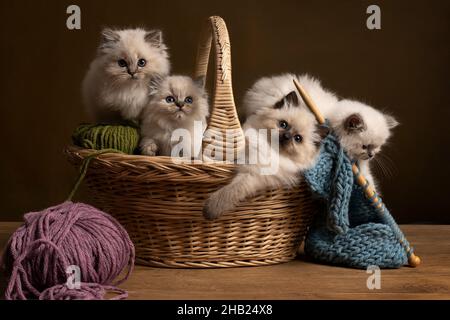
(178, 107)
(295, 150)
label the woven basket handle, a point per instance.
(224, 121)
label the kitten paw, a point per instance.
(149, 149)
(211, 212)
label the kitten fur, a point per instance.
(267, 91)
(161, 117)
(294, 157)
(113, 93)
(362, 131)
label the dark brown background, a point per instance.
(403, 68)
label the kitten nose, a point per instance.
(285, 136)
(131, 73)
(370, 154)
(180, 105)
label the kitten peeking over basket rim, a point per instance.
(173, 121)
(294, 140)
(299, 143)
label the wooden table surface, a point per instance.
(299, 279)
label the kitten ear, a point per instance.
(354, 123)
(109, 35)
(200, 81)
(154, 37)
(323, 131)
(291, 98)
(391, 122)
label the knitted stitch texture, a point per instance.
(351, 231)
(124, 138)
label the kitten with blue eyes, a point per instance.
(176, 102)
(362, 131)
(298, 146)
(115, 87)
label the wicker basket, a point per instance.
(160, 202)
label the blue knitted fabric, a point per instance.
(351, 231)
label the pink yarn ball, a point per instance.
(39, 252)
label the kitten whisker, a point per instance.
(389, 164)
(385, 166)
(379, 167)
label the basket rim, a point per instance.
(144, 160)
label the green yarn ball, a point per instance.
(124, 138)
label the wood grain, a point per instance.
(300, 279)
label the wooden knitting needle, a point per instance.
(413, 260)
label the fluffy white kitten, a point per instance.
(176, 103)
(299, 140)
(362, 131)
(115, 87)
